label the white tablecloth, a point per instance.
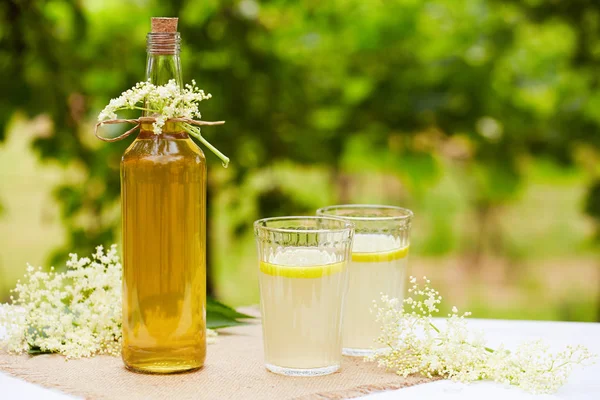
(584, 383)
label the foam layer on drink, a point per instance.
(302, 256)
(374, 243)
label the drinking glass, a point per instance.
(377, 266)
(303, 281)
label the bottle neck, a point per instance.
(163, 63)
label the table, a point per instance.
(584, 383)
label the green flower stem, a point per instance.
(435, 328)
(144, 109)
(195, 132)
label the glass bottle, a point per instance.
(163, 196)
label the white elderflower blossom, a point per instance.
(76, 313)
(161, 101)
(164, 102)
(416, 345)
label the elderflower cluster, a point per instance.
(415, 345)
(162, 101)
(76, 313)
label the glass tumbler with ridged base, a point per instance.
(377, 265)
(303, 280)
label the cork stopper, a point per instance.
(164, 25)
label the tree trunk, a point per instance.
(482, 211)
(341, 182)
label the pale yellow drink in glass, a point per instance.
(301, 308)
(378, 265)
(303, 277)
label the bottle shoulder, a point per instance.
(163, 149)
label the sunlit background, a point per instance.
(482, 116)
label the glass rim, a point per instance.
(404, 213)
(347, 226)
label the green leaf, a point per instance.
(35, 350)
(218, 321)
(217, 307)
(219, 315)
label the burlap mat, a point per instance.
(233, 370)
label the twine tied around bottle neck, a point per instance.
(138, 123)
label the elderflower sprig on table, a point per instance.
(163, 102)
(76, 313)
(415, 345)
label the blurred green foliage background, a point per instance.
(482, 116)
